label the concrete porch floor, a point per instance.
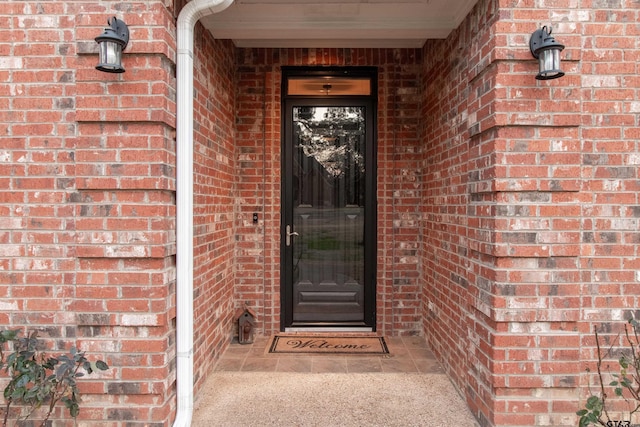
(250, 387)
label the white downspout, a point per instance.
(190, 14)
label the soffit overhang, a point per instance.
(343, 24)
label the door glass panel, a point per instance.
(328, 213)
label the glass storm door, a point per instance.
(329, 235)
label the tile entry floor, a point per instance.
(406, 355)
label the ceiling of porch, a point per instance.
(337, 23)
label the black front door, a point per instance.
(328, 229)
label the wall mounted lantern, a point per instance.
(547, 51)
(111, 43)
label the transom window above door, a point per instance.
(328, 86)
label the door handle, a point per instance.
(288, 235)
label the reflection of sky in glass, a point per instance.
(330, 135)
(319, 113)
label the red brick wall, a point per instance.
(257, 191)
(214, 199)
(608, 58)
(258, 141)
(87, 210)
(87, 203)
(445, 251)
(125, 215)
(530, 205)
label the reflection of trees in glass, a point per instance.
(332, 136)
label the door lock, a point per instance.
(289, 233)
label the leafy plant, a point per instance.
(625, 383)
(36, 379)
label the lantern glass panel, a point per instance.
(110, 55)
(549, 64)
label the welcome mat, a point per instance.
(328, 345)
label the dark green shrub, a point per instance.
(37, 380)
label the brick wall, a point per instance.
(257, 172)
(609, 64)
(258, 142)
(530, 211)
(446, 221)
(87, 203)
(214, 200)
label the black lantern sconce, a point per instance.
(111, 43)
(547, 51)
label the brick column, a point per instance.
(505, 274)
(125, 214)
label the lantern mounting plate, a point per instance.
(536, 40)
(540, 39)
(117, 32)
